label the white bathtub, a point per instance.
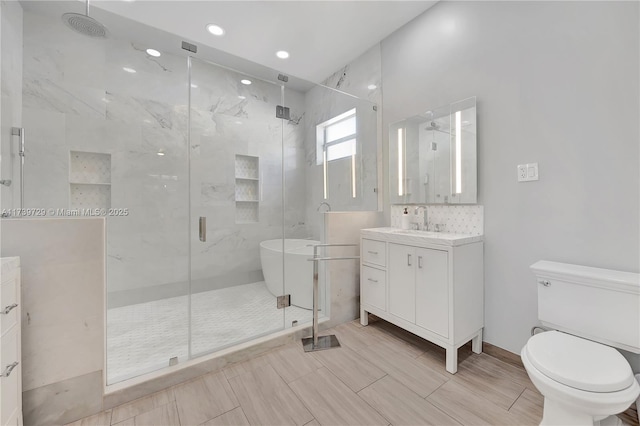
(298, 271)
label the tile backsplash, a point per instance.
(456, 219)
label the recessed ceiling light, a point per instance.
(245, 81)
(238, 122)
(160, 153)
(242, 97)
(215, 29)
(372, 87)
(131, 70)
(282, 54)
(195, 86)
(153, 52)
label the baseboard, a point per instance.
(502, 354)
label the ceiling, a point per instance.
(321, 36)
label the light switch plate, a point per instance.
(527, 172)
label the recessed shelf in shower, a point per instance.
(89, 180)
(247, 189)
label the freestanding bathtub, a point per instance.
(298, 271)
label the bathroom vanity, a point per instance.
(429, 283)
(10, 342)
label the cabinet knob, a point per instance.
(420, 262)
(545, 283)
(408, 260)
(372, 280)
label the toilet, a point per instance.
(590, 312)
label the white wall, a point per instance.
(557, 84)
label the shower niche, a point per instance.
(247, 189)
(89, 180)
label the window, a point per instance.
(337, 137)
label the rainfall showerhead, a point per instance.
(84, 24)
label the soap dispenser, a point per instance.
(405, 223)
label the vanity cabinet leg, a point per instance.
(452, 359)
(364, 317)
(476, 343)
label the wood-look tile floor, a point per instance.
(381, 375)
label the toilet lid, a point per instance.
(579, 363)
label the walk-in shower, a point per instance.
(158, 142)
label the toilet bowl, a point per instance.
(583, 382)
(578, 369)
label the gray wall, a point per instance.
(557, 84)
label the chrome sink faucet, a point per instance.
(425, 223)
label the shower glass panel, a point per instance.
(107, 129)
(236, 145)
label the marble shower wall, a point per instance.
(231, 119)
(11, 101)
(78, 98)
(322, 104)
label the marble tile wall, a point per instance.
(321, 105)
(233, 124)
(77, 97)
(62, 314)
(466, 219)
(343, 276)
(11, 98)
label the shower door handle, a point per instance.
(203, 228)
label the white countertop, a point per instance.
(397, 235)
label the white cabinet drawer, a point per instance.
(373, 287)
(8, 298)
(374, 252)
(10, 387)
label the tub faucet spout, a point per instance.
(324, 203)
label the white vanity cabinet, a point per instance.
(430, 284)
(10, 344)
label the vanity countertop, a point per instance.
(401, 236)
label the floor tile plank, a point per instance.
(414, 375)
(350, 367)
(100, 419)
(332, 403)
(467, 407)
(266, 399)
(166, 415)
(141, 405)
(402, 406)
(204, 398)
(234, 417)
(292, 362)
(528, 408)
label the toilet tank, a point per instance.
(598, 304)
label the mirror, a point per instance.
(433, 156)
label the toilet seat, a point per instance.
(579, 363)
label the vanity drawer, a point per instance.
(8, 302)
(373, 288)
(374, 252)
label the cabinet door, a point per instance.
(402, 281)
(432, 291)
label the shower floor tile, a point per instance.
(142, 338)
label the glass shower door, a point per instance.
(236, 209)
